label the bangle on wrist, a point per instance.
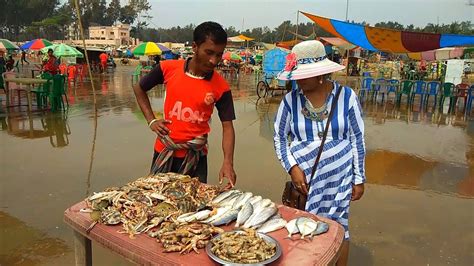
(152, 121)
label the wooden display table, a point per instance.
(144, 250)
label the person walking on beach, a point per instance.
(193, 89)
(23, 58)
(103, 61)
(299, 129)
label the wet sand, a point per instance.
(417, 210)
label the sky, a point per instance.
(248, 14)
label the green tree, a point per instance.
(113, 12)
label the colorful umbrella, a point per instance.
(63, 50)
(6, 45)
(163, 48)
(231, 56)
(36, 44)
(147, 48)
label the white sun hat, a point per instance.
(306, 60)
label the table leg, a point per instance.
(7, 91)
(83, 249)
(28, 97)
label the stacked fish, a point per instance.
(306, 227)
(247, 210)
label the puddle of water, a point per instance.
(420, 172)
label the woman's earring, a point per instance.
(321, 81)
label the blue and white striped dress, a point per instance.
(343, 158)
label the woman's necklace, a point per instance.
(315, 113)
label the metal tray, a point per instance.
(265, 237)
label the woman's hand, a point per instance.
(357, 192)
(299, 179)
(160, 128)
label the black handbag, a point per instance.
(292, 197)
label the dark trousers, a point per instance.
(201, 168)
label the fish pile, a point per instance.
(306, 227)
(247, 210)
(243, 247)
(148, 201)
(183, 238)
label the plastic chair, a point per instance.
(137, 72)
(420, 89)
(71, 74)
(62, 69)
(392, 86)
(432, 89)
(57, 92)
(380, 84)
(405, 88)
(469, 100)
(365, 87)
(43, 90)
(447, 92)
(462, 91)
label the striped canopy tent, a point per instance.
(6, 45)
(389, 40)
(36, 44)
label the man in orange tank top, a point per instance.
(193, 89)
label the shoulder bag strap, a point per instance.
(333, 106)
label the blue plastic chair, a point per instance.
(469, 100)
(448, 91)
(420, 89)
(432, 89)
(365, 87)
(378, 87)
(392, 86)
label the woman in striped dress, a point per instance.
(299, 127)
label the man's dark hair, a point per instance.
(211, 30)
(50, 50)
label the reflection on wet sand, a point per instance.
(53, 126)
(30, 246)
(420, 170)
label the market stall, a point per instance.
(152, 221)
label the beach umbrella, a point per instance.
(63, 50)
(36, 44)
(6, 45)
(163, 48)
(147, 48)
(231, 56)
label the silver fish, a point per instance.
(272, 225)
(186, 217)
(321, 229)
(292, 228)
(226, 218)
(255, 199)
(260, 217)
(194, 216)
(244, 214)
(229, 201)
(262, 204)
(224, 195)
(306, 226)
(216, 214)
(241, 200)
